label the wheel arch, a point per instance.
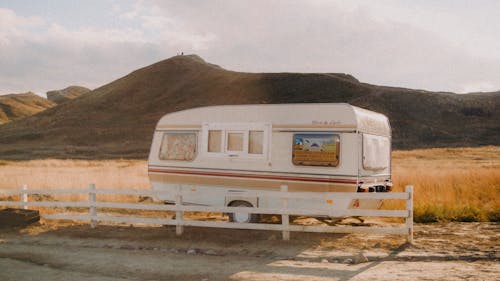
(254, 201)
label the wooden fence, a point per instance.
(285, 211)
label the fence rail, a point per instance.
(285, 211)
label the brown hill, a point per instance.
(17, 106)
(69, 93)
(117, 119)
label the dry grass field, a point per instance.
(75, 174)
(456, 184)
(450, 184)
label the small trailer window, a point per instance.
(178, 146)
(255, 142)
(316, 149)
(235, 141)
(214, 141)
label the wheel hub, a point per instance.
(241, 217)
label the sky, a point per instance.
(447, 45)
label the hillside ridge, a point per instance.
(66, 94)
(17, 106)
(117, 120)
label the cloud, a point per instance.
(39, 55)
(12, 26)
(162, 28)
(384, 43)
(334, 36)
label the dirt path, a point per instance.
(453, 251)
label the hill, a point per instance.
(117, 120)
(17, 106)
(66, 94)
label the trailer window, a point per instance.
(178, 146)
(316, 149)
(214, 141)
(255, 142)
(234, 141)
(376, 152)
(241, 140)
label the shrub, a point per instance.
(468, 214)
(427, 214)
(493, 215)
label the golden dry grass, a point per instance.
(450, 183)
(51, 174)
(75, 174)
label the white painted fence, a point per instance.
(179, 208)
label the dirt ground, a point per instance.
(71, 251)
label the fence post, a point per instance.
(92, 209)
(179, 228)
(24, 196)
(409, 208)
(285, 221)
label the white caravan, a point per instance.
(218, 151)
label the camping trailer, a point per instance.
(219, 152)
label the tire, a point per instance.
(331, 221)
(241, 217)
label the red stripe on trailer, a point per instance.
(254, 176)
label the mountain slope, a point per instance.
(17, 106)
(66, 94)
(117, 119)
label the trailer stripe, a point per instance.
(254, 176)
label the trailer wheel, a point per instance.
(242, 217)
(331, 221)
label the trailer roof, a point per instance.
(300, 116)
